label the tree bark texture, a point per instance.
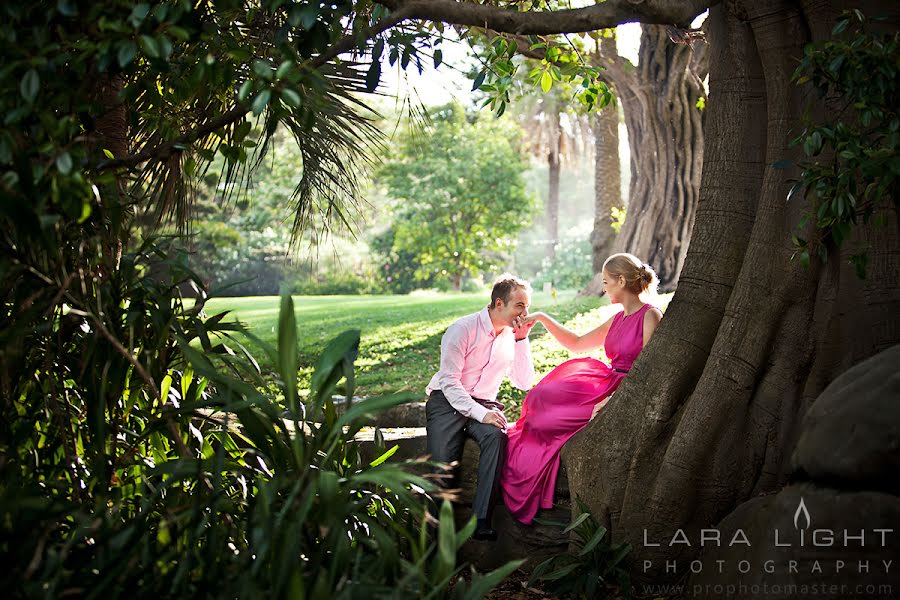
(707, 418)
(665, 134)
(607, 182)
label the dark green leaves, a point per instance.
(64, 163)
(29, 86)
(260, 102)
(479, 80)
(849, 176)
(373, 76)
(127, 52)
(287, 351)
(150, 46)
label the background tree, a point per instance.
(662, 97)
(555, 132)
(607, 171)
(459, 195)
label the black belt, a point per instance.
(620, 370)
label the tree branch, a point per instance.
(600, 16)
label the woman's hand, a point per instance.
(521, 327)
(535, 317)
(599, 406)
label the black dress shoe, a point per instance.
(485, 534)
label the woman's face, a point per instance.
(613, 286)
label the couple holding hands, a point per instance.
(478, 350)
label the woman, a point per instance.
(575, 391)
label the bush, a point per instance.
(571, 267)
(594, 570)
(141, 458)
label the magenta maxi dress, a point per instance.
(556, 409)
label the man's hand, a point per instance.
(522, 326)
(496, 419)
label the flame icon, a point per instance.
(801, 510)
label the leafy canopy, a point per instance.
(459, 194)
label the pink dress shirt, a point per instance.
(474, 361)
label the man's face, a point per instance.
(519, 301)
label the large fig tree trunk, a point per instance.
(708, 415)
(665, 135)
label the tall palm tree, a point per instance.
(556, 132)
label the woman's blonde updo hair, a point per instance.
(639, 277)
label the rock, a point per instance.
(534, 542)
(850, 438)
(410, 414)
(813, 556)
(411, 442)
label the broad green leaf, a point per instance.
(373, 76)
(291, 97)
(260, 102)
(150, 46)
(598, 535)
(127, 52)
(30, 85)
(245, 89)
(581, 519)
(482, 584)
(384, 456)
(64, 163)
(287, 350)
(329, 369)
(479, 80)
(446, 551)
(546, 81)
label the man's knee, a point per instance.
(494, 437)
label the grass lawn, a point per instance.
(401, 335)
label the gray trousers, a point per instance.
(447, 430)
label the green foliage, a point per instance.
(459, 196)
(570, 267)
(115, 485)
(595, 568)
(618, 218)
(854, 167)
(562, 63)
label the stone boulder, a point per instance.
(835, 531)
(850, 438)
(803, 541)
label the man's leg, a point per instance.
(492, 442)
(445, 432)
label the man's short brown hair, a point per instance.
(504, 287)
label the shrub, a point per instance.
(594, 570)
(141, 458)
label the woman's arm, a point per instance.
(568, 338)
(651, 319)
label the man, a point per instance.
(477, 351)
